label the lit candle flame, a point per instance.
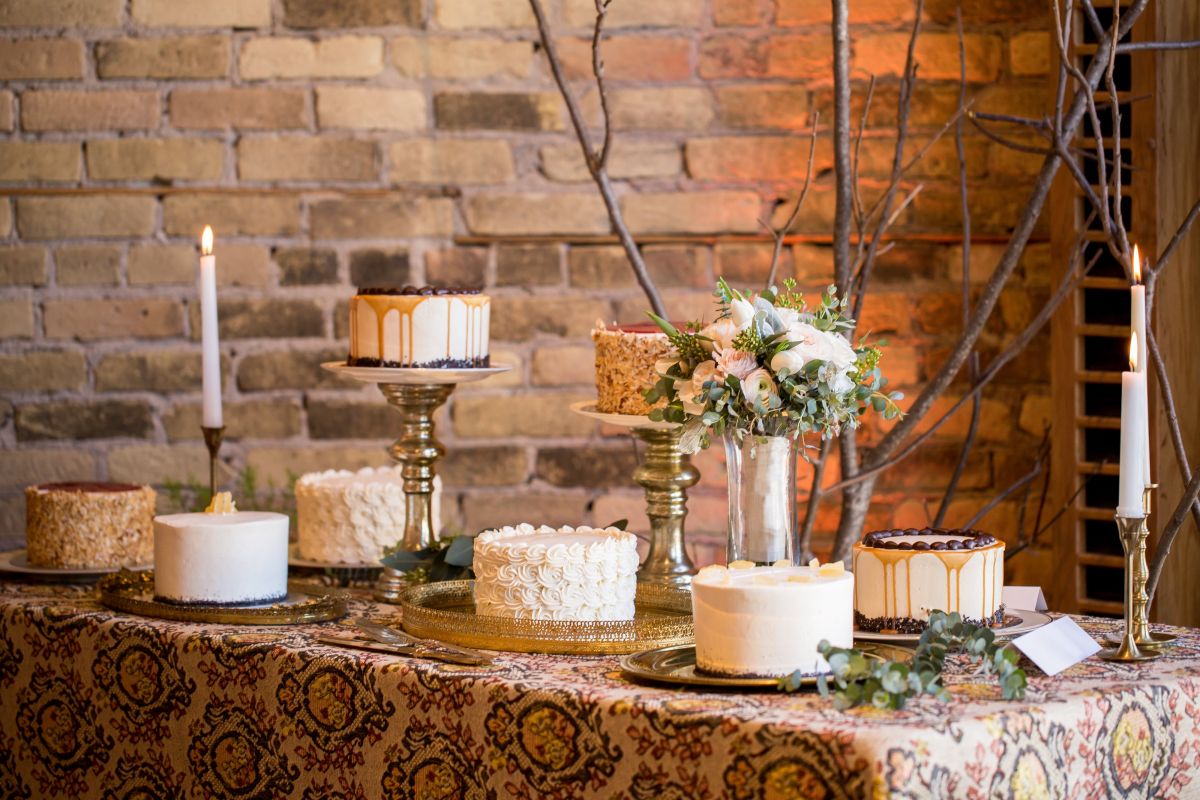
(1137, 265)
(1133, 352)
(206, 241)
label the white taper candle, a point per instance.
(210, 346)
(1131, 483)
(1137, 325)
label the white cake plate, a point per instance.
(16, 562)
(413, 376)
(294, 560)
(1016, 622)
(587, 408)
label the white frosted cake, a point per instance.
(348, 517)
(582, 574)
(426, 327)
(902, 575)
(221, 556)
(767, 621)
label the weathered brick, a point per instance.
(484, 466)
(381, 218)
(520, 317)
(508, 111)
(665, 13)
(16, 318)
(292, 368)
(453, 161)
(696, 305)
(541, 414)
(528, 265)
(932, 105)
(210, 14)
(87, 265)
(453, 58)
(692, 212)
(464, 14)
(7, 115)
(277, 158)
(995, 420)
(232, 215)
(930, 468)
(937, 53)
(1005, 161)
(757, 158)
(155, 159)
(265, 319)
(677, 108)
(39, 161)
(536, 214)
(939, 161)
(456, 266)
(351, 13)
(71, 419)
(114, 110)
(571, 365)
(100, 216)
(806, 56)
(364, 108)
(237, 264)
(279, 465)
(151, 370)
(737, 12)
(746, 264)
(62, 13)
(1037, 411)
(335, 57)
(303, 266)
(987, 12)
(43, 371)
(733, 56)
(93, 319)
(23, 266)
(250, 419)
(382, 268)
(1011, 98)
(41, 59)
(672, 265)
(183, 57)
(1029, 53)
(806, 12)
(573, 466)
(157, 463)
(630, 58)
(29, 466)
(238, 108)
(599, 268)
(482, 511)
(628, 159)
(763, 106)
(351, 419)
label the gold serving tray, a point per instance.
(446, 611)
(133, 593)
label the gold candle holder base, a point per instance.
(1133, 532)
(1143, 635)
(212, 440)
(666, 474)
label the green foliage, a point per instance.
(859, 681)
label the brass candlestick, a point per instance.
(212, 440)
(1133, 533)
(1143, 635)
(666, 474)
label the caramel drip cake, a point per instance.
(902, 575)
(419, 327)
(89, 525)
(626, 359)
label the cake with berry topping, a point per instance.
(422, 327)
(902, 575)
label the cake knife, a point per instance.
(389, 635)
(414, 651)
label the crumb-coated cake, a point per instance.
(626, 365)
(428, 326)
(89, 525)
(902, 575)
(346, 517)
(767, 621)
(578, 574)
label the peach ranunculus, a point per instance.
(737, 363)
(721, 333)
(758, 388)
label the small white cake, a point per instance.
(348, 517)
(767, 621)
(221, 557)
(581, 574)
(430, 327)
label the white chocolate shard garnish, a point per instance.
(741, 564)
(783, 562)
(714, 573)
(815, 564)
(764, 580)
(831, 570)
(799, 579)
(222, 503)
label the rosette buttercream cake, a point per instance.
(346, 517)
(626, 359)
(767, 621)
(579, 574)
(419, 327)
(89, 525)
(902, 575)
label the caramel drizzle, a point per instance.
(954, 561)
(406, 306)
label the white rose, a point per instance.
(841, 383)
(788, 316)
(721, 332)
(811, 344)
(741, 311)
(758, 387)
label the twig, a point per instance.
(1167, 538)
(779, 234)
(844, 201)
(1134, 47)
(1039, 464)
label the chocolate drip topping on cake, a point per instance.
(424, 291)
(441, 363)
(87, 486)
(972, 540)
(910, 625)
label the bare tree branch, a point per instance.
(779, 234)
(1167, 537)
(1135, 47)
(844, 208)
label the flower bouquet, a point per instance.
(768, 373)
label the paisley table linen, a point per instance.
(98, 704)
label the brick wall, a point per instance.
(397, 141)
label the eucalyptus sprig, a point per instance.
(859, 680)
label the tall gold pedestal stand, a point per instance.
(1143, 635)
(416, 394)
(665, 474)
(1133, 532)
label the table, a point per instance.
(97, 704)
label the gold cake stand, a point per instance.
(416, 394)
(666, 474)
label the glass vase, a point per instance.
(762, 498)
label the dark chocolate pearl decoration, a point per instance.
(424, 291)
(973, 540)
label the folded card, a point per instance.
(1057, 645)
(1026, 598)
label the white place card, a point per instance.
(1057, 645)
(1027, 598)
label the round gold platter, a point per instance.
(446, 611)
(133, 593)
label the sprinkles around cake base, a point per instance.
(481, 362)
(905, 625)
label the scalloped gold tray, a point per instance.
(446, 611)
(133, 593)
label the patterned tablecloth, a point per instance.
(99, 704)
